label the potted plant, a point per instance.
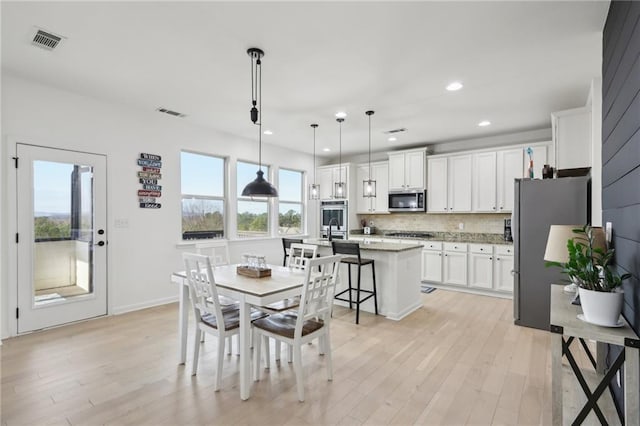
(589, 266)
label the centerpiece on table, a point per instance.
(253, 266)
(587, 262)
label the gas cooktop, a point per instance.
(410, 234)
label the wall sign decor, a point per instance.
(148, 177)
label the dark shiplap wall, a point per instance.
(621, 148)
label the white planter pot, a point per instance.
(601, 308)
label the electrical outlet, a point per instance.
(371, 224)
(608, 231)
(461, 226)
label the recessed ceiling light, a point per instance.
(341, 114)
(454, 85)
(326, 149)
(484, 123)
(392, 139)
(268, 132)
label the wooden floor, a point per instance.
(458, 360)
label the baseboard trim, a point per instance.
(148, 304)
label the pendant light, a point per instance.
(260, 187)
(369, 185)
(314, 188)
(340, 188)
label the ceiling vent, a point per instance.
(46, 39)
(394, 131)
(170, 112)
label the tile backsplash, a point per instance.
(490, 223)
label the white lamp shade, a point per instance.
(559, 235)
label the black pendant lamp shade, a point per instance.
(369, 185)
(259, 187)
(314, 188)
(339, 188)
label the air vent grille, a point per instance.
(170, 112)
(393, 131)
(46, 40)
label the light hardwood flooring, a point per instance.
(458, 360)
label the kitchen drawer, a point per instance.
(504, 250)
(431, 245)
(461, 247)
(481, 248)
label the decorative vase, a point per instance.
(601, 308)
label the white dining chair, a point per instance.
(210, 316)
(312, 320)
(299, 255)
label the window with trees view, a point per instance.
(290, 204)
(203, 195)
(253, 212)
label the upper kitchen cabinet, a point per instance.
(449, 184)
(484, 182)
(406, 170)
(571, 132)
(508, 169)
(379, 203)
(328, 176)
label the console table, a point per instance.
(564, 322)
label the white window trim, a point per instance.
(267, 200)
(302, 203)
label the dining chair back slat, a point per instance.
(218, 251)
(300, 254)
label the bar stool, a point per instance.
(286, 246)
(354, 249)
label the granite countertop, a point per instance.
(374, 246)
(453, 237)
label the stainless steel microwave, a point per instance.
(408, 201)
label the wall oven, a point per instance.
(334, 213)
(407, 201)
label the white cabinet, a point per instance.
(432, 262)
(481, 266)
(508, 169)
(328, 176)
(460, 183)
(449, 184)
(455, 263)
(571, 130)
(437, 185)
(503, 267)
(406, 170)
(484, 182)
(379, 203)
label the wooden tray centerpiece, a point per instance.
(253, 272)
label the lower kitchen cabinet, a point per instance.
(455, 263)
(503, 267)
(432, 262)
(481, 266)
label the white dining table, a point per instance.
(283, 283)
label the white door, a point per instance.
(484, 182)
(380, 173)
(455, 268)
(503, 273)
(432, 266)
(481, 271)
(61, 222)
(396, 172)
(414, 170)
(460, 183)
(509, 169)
(325, 179)
(436, 185)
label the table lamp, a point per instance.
(556, 250)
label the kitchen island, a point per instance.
(397, 276)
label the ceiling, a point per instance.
(518, 62)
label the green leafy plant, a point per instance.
(588, 266)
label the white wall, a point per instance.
(595, 103)
(143, 255)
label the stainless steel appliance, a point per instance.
(539, 204)
(507, 230)
(407, 201)
(334, 215)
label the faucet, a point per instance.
(332, 221)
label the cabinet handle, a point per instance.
(494, 207)
(455, 247)
(481, 249)
(497, 258)
(501, 208)
(440, 254)
(491, 258)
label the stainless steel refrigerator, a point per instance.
(539, 204)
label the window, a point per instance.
(290, 202)
(253, 212)
(202, 187)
